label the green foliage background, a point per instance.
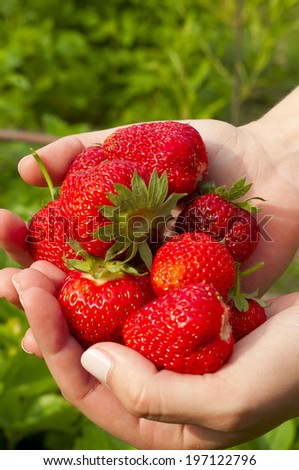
(79, 65)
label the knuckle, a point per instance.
(235, 418)
(137, 402)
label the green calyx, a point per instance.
(137, 215)
(98, 268)
(238, 190)
(240, 299)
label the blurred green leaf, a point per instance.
(93, 438)
(282, 437)
(69, 67)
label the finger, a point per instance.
(45, 276)
(51, 271)
(29, 344)
(144, 392)
(50, 330)
(13, 280)
(221, 401)
(57, 157)
(277, 304)
(62, 354)
(7, 288)
(156, 395)
(13, 233)
(218, 136)
(29, 277)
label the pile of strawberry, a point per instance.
(167, 286)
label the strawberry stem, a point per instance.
(252, 269)
(240, 299)
(45, 173)
(238, 280)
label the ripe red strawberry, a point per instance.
(247, 310)
(96, 308)
(244, 322)
(84, 192)
(117, 207)
(218, 214)
(169, 146)
(185, 331)
(89, 158)
(48, 232)
(192, 257)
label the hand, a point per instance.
(256, 390)
(140, 403)
(233, 153)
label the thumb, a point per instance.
(148, 393)
(124, 371)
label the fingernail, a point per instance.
(21, 300)
(23, 346)
(16, 284)
(26, 158)
(97, 363)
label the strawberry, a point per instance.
(84, 192)
(169, 146)
(184, 331)
(247, 309)
(96, 305)
(116, 208)
(245, 321)
(89, 158)
(192, 257)
(48, 232)
(218, 214)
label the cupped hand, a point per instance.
(140, 405)
(233, 153)
(124, 394)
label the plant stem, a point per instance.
(252, 269)
(238, 281)
(45, 173)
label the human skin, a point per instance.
(121, 391)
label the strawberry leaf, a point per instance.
(157, 189)
(208, 187)
(135, 214)
(106, 233)
(238, 190)
(146, 254)
(139, 190)
(117, 249)
(113, 198)
(241, 303)
(110, 212)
